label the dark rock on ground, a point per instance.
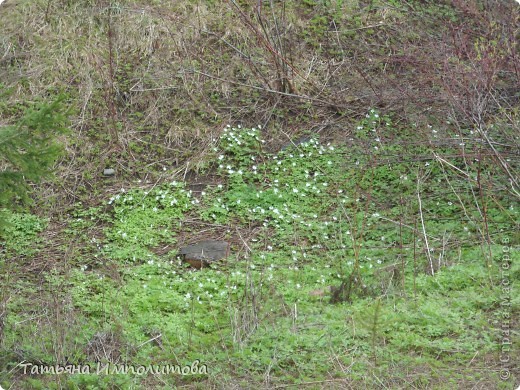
(203, 253)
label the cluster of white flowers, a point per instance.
(235, 135)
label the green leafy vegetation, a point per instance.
(268, 308)
(21, 233)
(145, 219)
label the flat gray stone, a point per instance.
(204, 252)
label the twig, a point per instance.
(501, 160)
(149, 341)
(362, 28)
(424, 227)
(309, 383)
(272, 90)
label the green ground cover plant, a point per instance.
(316, 232)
